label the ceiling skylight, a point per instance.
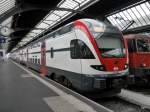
(56, 16)
(131, 17)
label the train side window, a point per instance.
(79, 50)
(35, 60)
(32, 60)
(143, 45)
(38, 61)
(52, 52)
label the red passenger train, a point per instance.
(139, 58)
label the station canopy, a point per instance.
(23, 27)
(5, 27)
(131, 17)
(56, 16)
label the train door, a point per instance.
(43, 68)
(27, 58)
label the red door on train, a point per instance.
(43, 68)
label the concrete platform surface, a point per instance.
(137, 98)
(23, 91)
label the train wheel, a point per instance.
(53, 76)
(67, 83)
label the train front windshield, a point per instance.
(109, 39)
(110, 45)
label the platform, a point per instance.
(136, 98)
(23, 91)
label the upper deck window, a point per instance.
(97, 28)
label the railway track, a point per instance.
(118, 105)
(142, 90)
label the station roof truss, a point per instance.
(131, 18)
(64, 10)
(24, 21)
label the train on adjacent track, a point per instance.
(86, 54)
(139, 59)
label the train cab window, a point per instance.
(79, 50)
(143, 45)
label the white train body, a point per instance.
(73, 52)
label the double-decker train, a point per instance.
(86, 54)
(139, 58)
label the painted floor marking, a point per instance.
(26, 76)
(58, 104)
(78, 104)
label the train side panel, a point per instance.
(58, 58)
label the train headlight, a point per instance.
(126, 66)
(98, 67)
(143, 65)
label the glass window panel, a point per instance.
(147, 11)
(111, 21)
(80, 1)
(61, 13)
(69, 4)
(148, 5)
(117, 22)
(138, 22)
(42, 25)
(53, 17)
(6, 5)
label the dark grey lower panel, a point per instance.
(74, 78)
(89, 83)
(139, 72)
(85, 82)
(139, 76)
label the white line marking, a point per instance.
(78, 104)
(58, 104)
(26, 76)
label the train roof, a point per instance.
(134, 36)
